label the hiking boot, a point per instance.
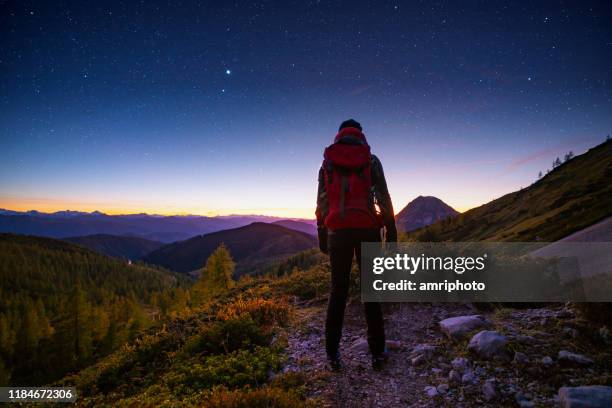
(335, 362)
(380, 360)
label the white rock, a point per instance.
(520, 358)
(360, 345)
(454, 377)
(423, 349)
(489, 389)
(573, 358)
(591, 396)
(461, 364)
(489, 344)
(443, 388)
(458, 327)
(431, 391)
(547, 361)
(468, 377)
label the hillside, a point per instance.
(62, 306)
(423, 211)
(254, 348)
(308, 228)
(571, 197)
(251, 246)
(117, 246)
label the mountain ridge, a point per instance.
(117, 246)
(423, 211)
(250, 245)
(64, 224)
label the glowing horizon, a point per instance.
(51, 206)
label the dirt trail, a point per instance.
(531, 376)
(398, 385)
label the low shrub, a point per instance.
(305, 285)
(268, 397)
(226, 336)
(264, 312)
(237, 369)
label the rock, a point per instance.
(458, 327)
(570, 332)
(418, 360)
(431, 391)
(443, 388)
(468, 377)
(427, 350)
(522, 400)
(454, 377)
(573, 358)
(489, 344)
(461, 364)
(394, 345)
(564, 314)
(547, 361)
(520, 358)
(489, 389)
(360, 345)
(591, 396)
(526, 339)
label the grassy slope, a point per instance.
(225, 354)
(571, 197)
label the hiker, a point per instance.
(353, 205)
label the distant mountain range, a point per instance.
(251, 246)
(117, 246)
(307, 227)
(165, 229)
(423, 211)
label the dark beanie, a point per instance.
(350, 123)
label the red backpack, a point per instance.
(348, 182)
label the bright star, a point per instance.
(227, 72)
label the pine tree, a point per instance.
(215, 277)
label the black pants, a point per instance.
(343, 245)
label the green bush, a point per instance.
(306, 285)
(225, 336)
(237, 369)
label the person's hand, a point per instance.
(390, 234)
(322, 233)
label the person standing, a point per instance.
(353, 206)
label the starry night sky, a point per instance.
(218, 107)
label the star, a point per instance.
(228, 72)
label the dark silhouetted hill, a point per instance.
(251, 246)
(423, 211)
(117, 246)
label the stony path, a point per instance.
(399, 385)
(428, 382)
